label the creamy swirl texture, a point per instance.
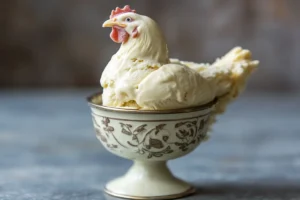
(141, 75)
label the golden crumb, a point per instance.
(152, 67)
(131, 103)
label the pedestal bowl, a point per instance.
(149, 139)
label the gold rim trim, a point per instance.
(170, 111)
(159, 120)
(188, 192)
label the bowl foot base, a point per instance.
(188, 192)
(149, 180)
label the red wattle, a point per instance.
(119, 35)
(114, 34)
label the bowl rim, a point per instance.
(135, 111)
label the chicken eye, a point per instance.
(128, 19)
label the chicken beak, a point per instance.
(111, 23)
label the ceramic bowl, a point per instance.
(150, 139)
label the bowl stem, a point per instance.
(148, 179)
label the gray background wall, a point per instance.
(60, 43)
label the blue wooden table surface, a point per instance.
(48, 150)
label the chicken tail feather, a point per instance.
(235, 67)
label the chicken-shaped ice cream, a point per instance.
(141, 75)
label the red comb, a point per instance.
(118, 11)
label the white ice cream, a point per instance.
(141, 75)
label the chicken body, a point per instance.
(141, 75)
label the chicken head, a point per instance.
(124, 23)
